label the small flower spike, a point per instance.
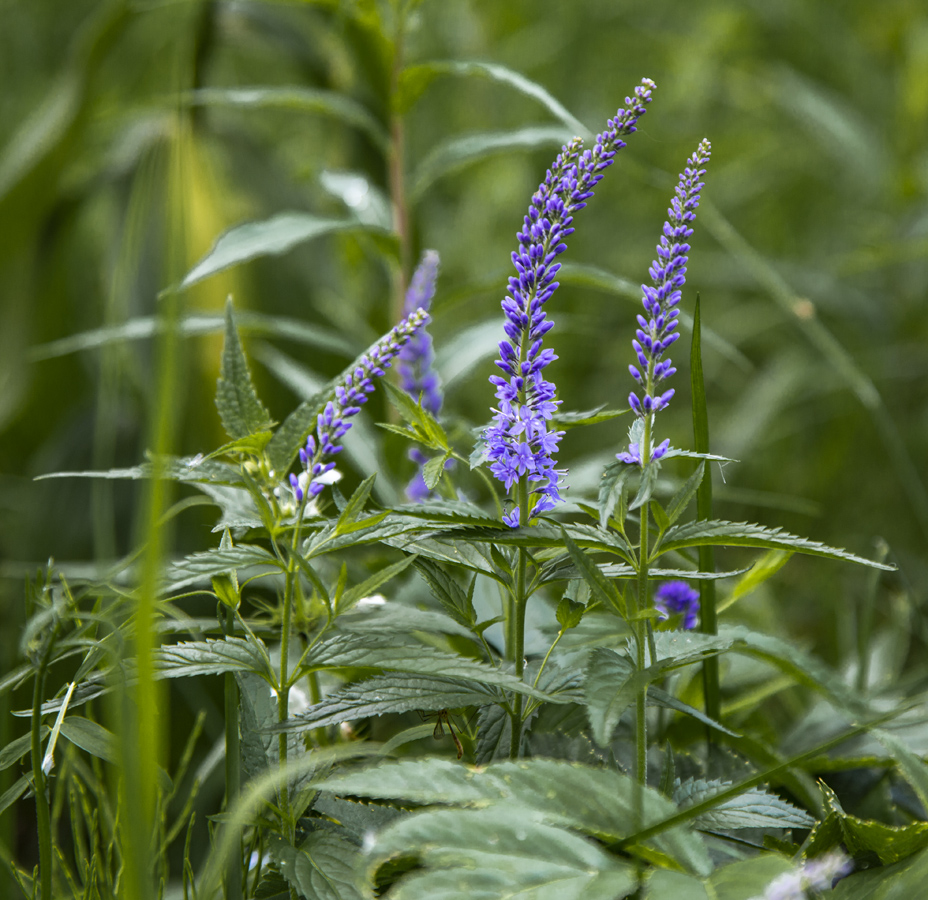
(333, 422)
(657, 328)
(519, 443)
(674, 598)
(416, 359)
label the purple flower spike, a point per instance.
(674, 598)
(656, 332)
(519, 443)
(334, 421)
(417, 357)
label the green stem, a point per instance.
(519, 602)
(396, 172)
(43, 815)
(233, 765)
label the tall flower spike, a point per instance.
(657, 328)
(519, 442)
(334, 421)
(416, 363)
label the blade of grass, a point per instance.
(708, 613)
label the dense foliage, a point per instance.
(322, 603)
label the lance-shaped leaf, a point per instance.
(210, 658)
(241, 411)
(398, 692)
(199, 566)
(398, 653)
(273, 236)
(755, 808)
(743, 534)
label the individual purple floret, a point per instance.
(675, 598)
(519, 443)
(416, 359)
(657, 328)
(333, 422)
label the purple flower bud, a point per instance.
(675, 598)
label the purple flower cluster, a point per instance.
(676, 598)
(416, 359)
(519, 443)
(333, 422)
(656, 332)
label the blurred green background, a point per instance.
(123, 156)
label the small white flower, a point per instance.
(371, 602)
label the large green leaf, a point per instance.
(398, 692)
(321, 868)
(273, 236)
(743, 534)
(596, 801)
(209, 658)
(902, 881)
(241, 411)
(498, 854)
(396, 652)
(199, 566)
(331, 103)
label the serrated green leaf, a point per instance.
(209, 658)
(321, 868)
(433, 469)
(569, 613)
(902, 881)
(415, 79)
(398, 692)
(755, 808)
(595, 801)
(457, 153)
(355, 506)
(611, 487)
(499, 854)
(403, 619)
(240, 410)
(331, 103)
(273, 236)
(452, 596)
(659, 697)
(494, 734)
(660, 517)
(646, 485)
(200, 566)
(424, 427)
(743, 534)
(912, 767)
(394, 653)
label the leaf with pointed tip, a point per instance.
(397, 692)
(371, 584)
(415, 79)
(242, 413)
(433, 470)
(402, 619)
(686, 493)
(574, 419)
(200, 566)
(755, 808)
(610, 487)
(458, 153)
(743, 534)
(398, 653)
(273, 236)
(209, 658)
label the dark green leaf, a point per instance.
(686, 493)
(569, 613)
(742, 534)
(370, 585)
(241, 411)
(209, 658)
(322, 868)
(755, 808)
(200, 566)
(398, 692)
(610, 487)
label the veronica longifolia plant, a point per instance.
(520, 446)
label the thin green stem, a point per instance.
(641, 722)
(519, 603)
(233, 765)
